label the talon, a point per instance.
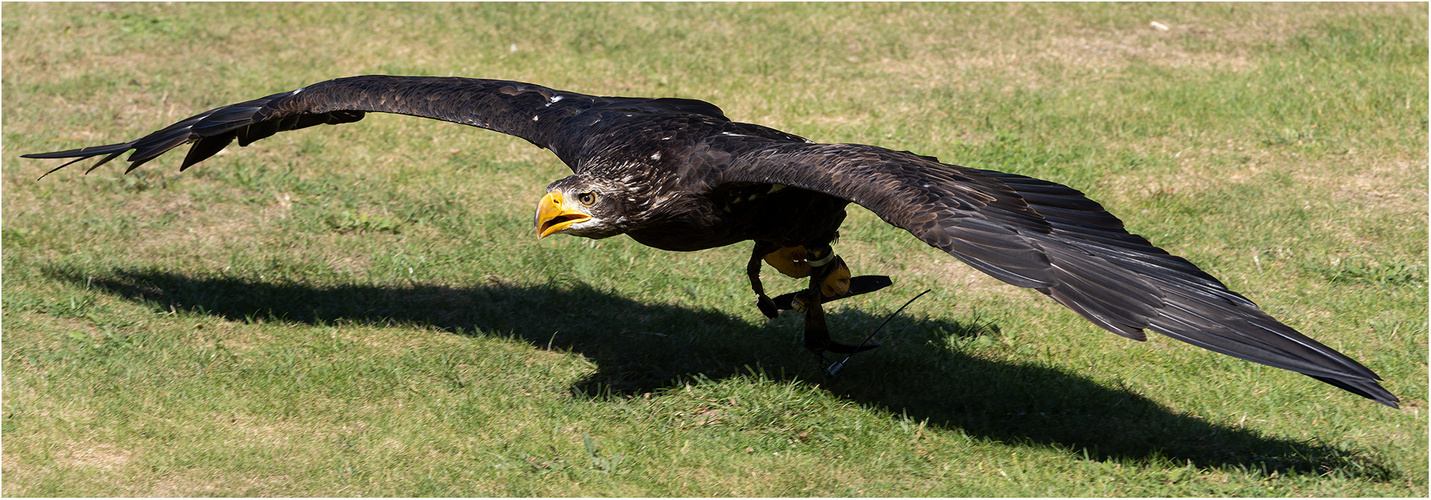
(790, 261)
(837, 283)
(767, 306)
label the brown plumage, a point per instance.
(676, 174)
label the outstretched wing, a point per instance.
(1042, 235)
(532, 112)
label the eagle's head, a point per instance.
(582, 205)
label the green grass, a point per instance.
(363, 310)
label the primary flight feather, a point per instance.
(676, 174)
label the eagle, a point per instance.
(677, 174)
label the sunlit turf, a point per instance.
(364, 310)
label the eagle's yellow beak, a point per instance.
(553, 215)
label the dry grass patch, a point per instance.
(89, 454)
(1111, 52)
(1377, 183)
(217, 482)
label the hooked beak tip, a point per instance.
(553, 215)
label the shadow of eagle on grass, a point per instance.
(676, 174)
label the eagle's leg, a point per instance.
(828, 273)
(799, 262)
(752, 269)
(790, 261)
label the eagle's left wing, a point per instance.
(1042, 235)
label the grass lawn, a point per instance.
(363, 310)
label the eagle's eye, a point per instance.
(586, 199)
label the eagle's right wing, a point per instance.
(532, 112)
